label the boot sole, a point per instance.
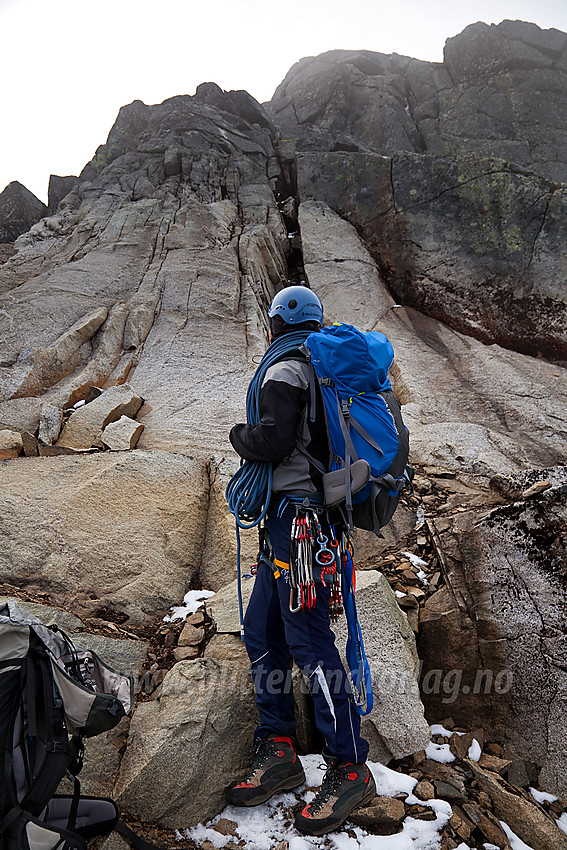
(306, 829)
(286, 785)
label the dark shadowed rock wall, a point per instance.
(452, 172)
(19, 209)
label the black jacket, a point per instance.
(285, 414)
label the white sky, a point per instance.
(67, 66)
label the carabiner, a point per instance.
(324, 556)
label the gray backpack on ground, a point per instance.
(53, 694)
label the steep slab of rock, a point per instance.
(59, 188)
(202, 716)
(492, 640)
(499, 92)
(175, 226)
(103, 533)
(19, 209)
(340, 269)
(452, 173)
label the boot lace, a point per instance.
(263, 749)
(334, 775)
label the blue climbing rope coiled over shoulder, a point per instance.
(249, 490)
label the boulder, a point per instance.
(223, 607)
(202, 716)
(50, 423)
(380, 812)
(102, 533)
(85, 427)
(226, 647)
(396, 726)
(11, 444)
(184, 653)
(19, 210)
(102, 762)
(191, 636)
(122, 435)
(21, 414)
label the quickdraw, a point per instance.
(310, 545)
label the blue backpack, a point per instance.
(368, 440)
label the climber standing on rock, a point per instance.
(288, 616)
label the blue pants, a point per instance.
(274, 636)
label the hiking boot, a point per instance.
(345, 786)
(275, 767)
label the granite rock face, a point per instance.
(104, 533)
(477, 243)
(423, 200)
(452, 172)
(498, 93)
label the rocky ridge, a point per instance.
(388, 186)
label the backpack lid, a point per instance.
(356, 361)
